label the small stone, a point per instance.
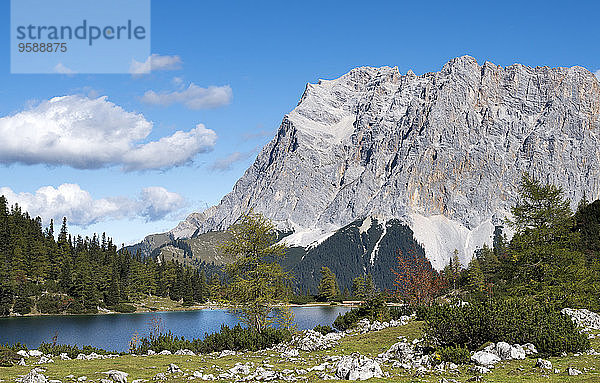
(117, 376)
(173, 368)
(544, 364)
(480, 369)
(573, 371)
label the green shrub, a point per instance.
(23, 305)
(454, 354)
(511, 320)
(15, 347)
(346, 320)
(8, 357)
(422, 312)
(323, 329)
(123, 308)
(373, 309)
(236, 338)
(399, 311)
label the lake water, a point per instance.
(114, 331)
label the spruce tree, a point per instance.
(328, 287)
(544, 251)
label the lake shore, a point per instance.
(167, 305)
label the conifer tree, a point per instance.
(257, 281)
(328, 287)
(475, 278)
(545, 249)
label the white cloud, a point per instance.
(88, 133)
(171, 151)
(226, 163)
(62, 69)
(155, 62)
(193, 97)
(159, 202)
(81, 209)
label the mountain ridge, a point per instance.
(441, 152)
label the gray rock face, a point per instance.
(443, 152)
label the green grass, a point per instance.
(371, 344)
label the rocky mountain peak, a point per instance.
(442, 152)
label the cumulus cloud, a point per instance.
(81, 209)
(193, 97)
(226, 163)
(155, 62)
(88, 133)
(158, 202)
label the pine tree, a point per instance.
(475, 278)
(358, 288)
(369, 286)
(328, 287)
(112, 295)
(257, 281)
(544, 251)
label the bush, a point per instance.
(454, 354)
(15, 347)
(399, 311)
(123, 308)
(511, 320)
(373, 309)
(323, 329)
(71, 351)
(23, 305)
(236, 338)
(8, 357)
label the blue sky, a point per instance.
(247, 64)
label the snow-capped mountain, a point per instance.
(442, 153)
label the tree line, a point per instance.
(65, 273)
